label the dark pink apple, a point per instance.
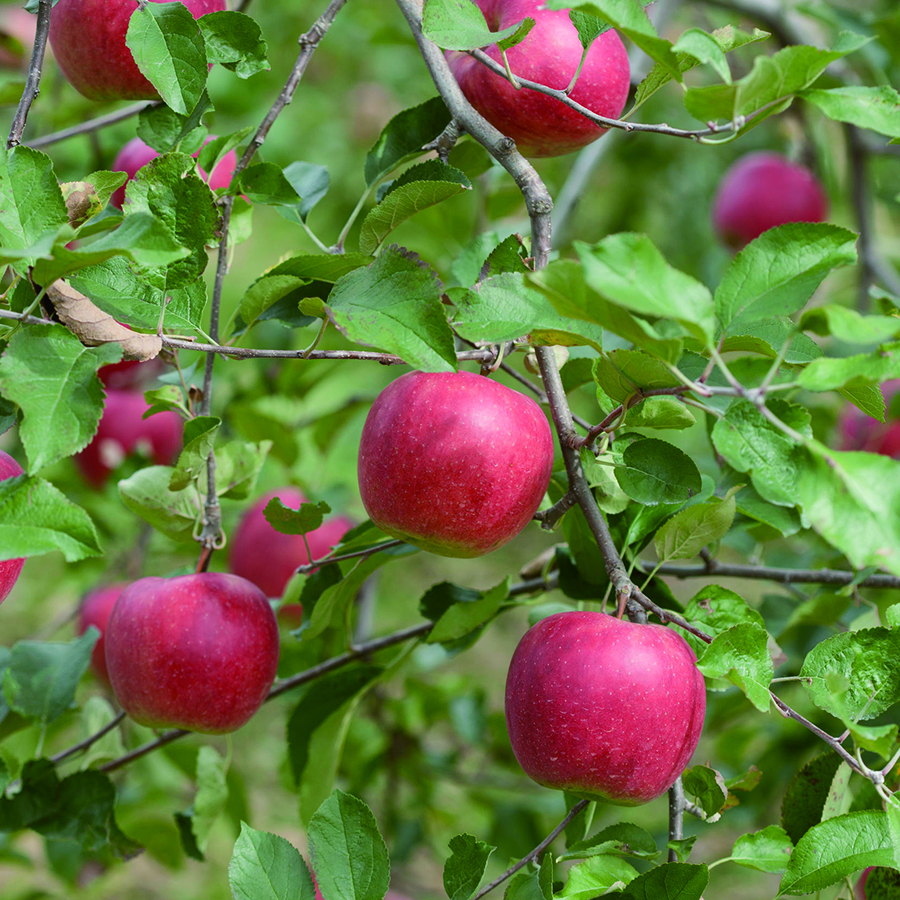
(94, 610)
(136, 154)
(10, 569)
(762, 190)
(18, 24)
(604, 708)
(88, 40)
(123, 430)
(269, 558)
(454, 463)
(197, 652)
(550, 54)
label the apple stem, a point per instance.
(512, 78)
(571, 86)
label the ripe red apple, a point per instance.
(549, 55)
(88, 40)
(94, 610)
(122, 430)
(136, 154)
(269, 558)
(19, 25)
(10, 569)
(197, 652)
(604, 708)
(762, 190)
(454, 463)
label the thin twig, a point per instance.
(331, 560)
(88, 741)
(859, 192)
(33, 81)
(92, 125)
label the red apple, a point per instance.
(10, 569)
(136, 154)
(88, 40)
(762, 190)
(269, 558)
(454, 463)
(94, 610)
(19, 25)
(197, 652)
(604, 708)
(122, 430)
(550, 54)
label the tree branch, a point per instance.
(93, 124)
(33, 81)
(677, 807)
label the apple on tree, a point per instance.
(604, 708)
(198, 652)
(763, 190)
(10, 569)
(94, 610)
(88, 41)
(549, 55)
(454, 463)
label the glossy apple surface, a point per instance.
(604, 708)
(550, 54)
(269, 558)
(454, 463)
(763, 190)
(197, 652)
(10, 569)
(94, 610)
(88, 41)
(136, 154)
(122, 430)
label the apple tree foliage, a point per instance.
(704, 464)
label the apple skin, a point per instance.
(604, 708)
(136, 154)
(198, 652)
(88, 41)
(94, 610)
(269, 558)
(19, 24)
(10, 569)
(541, 125)
(762, 190)
(454, 463)
(122, 429)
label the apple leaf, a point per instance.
(234, 40)
(212, 792)
(623, 839)
(655, 471)
(766, 851)
(671, 881)
(830, 373)
(705, 49)
(347, 851)
(707, 787)
(307, 518)
(741, 655)
(880, 739)
(836, 849)
(97, 713)
(147, 494)
(620, 373)
(689, 531)
(36, 517)
(876, 108)
(238, 464)
(199, 439)
(419, 187)
(395, 304)
(407, 133)
(596, 876)
(41, 677)
(465, 867)
(849, 325)
(163, 129)
(806, 794)
(311, 182)
(169, 50)
(660, 412)
(519, 35)
(266, 183)
(462, 618)
(768, 336)
(460, 25)
(715, 609)
(267, 867)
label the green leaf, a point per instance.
(660, 412)
(705, 49)
(589, 27)
(829, 373)
(460, 25)
(266, 183)
(199, 439)
(147, 494)
(596, 876)
(212, 793)
(806, 794)
(311, 182)
(850, 325)
(623, 838)
(163, 129)
(235, 41)
(347, 851)
(307, 518)
(707, 787)
(768, 336)
(778, 272)
(767, 851)
(35, 518)
(741, 655)
(419, 187)
(655, 471)
(670, 881)
(41, 677)
(836, 849)
(266, 867)
(168, 48)
(395, 304)
(620, 373)
(462, 618)
(238, 464)
(689, 531)
(715, 609)
(876, 108)
(465, 867)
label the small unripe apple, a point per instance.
(604, 708)
(453, 462)
(549, 55)
(123, 430)
(88, 40)
(94, 610)
(269, 558)
(19, 25)
(763, 190)
(136, 154)
(198, 652)
(10, 569)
